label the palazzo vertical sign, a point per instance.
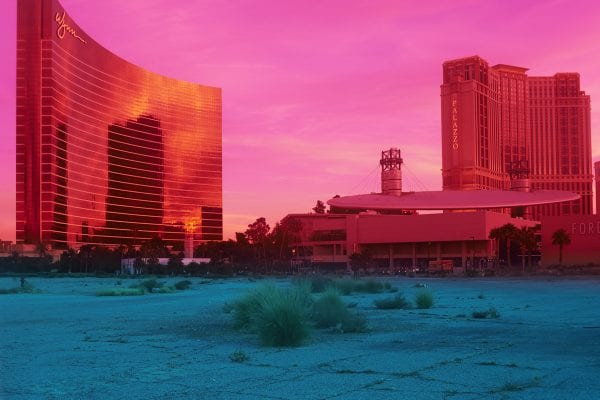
(454, 139)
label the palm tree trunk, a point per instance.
(560, 254)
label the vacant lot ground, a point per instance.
(66, 343)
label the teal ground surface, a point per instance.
(67, 343)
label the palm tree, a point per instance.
(506, 232)
(527, 242)
(561, 237)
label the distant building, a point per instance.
(386, 225)
(499, 123)
(402, 241)
(6, 247)
(108, 152)
(584, 233)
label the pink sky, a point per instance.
(314, 90)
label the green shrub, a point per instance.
(303, 289)
(319, 283)
(281, 321)
(246, 309)
(302, 294)
(239, 356)
(121, 292)
(25, 287)
(353, 323)
(166, 289)
(424, 299)
(489, 313)
(150, 284)
(369, 286)
(329, 311)
(396, 302)
(278, 316)
(183, 285)
(14, 290)
(345, 286)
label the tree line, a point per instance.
(525, 240)
(258, 249)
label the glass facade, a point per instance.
(108, 152)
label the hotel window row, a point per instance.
(107, 152)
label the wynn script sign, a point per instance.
(63, 27)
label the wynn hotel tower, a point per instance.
(108, 152)
(501, 128)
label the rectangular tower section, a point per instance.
(496, 117)
(470, 127)
(561, 156)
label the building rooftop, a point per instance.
(451, 200)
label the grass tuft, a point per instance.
(489, 313)
(278, 316)
(150, 284)
(121, 292)
(166, 289)
(345, 286)
(396, 302)
(424, 299)
(319, 283)
(183, 285)
(281, 317)
(282, 320)
(239, 357)
(329, 311)
(369, 286)
(246, 309)
(25, 287)
(14, 290)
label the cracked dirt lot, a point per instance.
(67, 343)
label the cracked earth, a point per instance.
(67, 343)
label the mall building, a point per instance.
(108, 152)
(515, 149)
(389, 227)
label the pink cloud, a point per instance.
(314, 90)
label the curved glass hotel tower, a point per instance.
(108, 152)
